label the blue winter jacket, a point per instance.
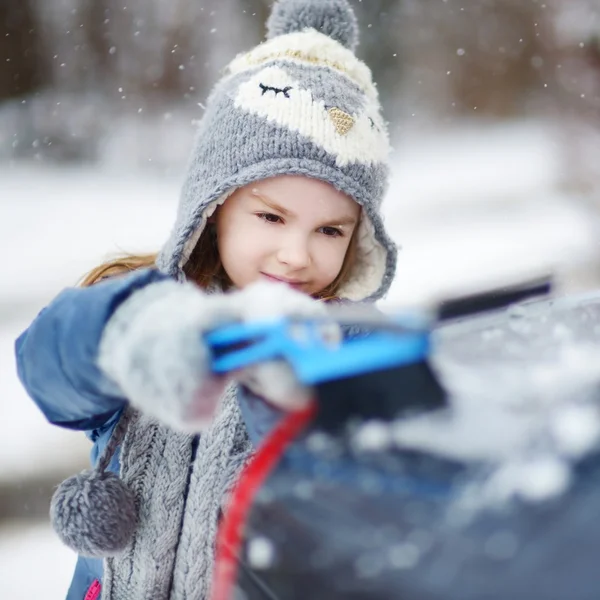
(56, 362)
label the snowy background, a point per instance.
(57, 223)
(494, 180)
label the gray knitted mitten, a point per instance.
(152, 348)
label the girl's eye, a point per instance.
(332, 232)
(269, 217)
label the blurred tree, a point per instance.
(469, 58)
(20, 65)
(577, 57)
(379, 47)
(82, 64)
(577, 91)
(156, 49)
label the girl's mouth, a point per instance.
(295, 283)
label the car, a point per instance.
(451, 456)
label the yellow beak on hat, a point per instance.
(342, 121)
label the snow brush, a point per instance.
(391, 354)
(379, 376)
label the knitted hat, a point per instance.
(300, 103)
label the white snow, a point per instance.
(532, 480)
(470, 207)
(33, 564)
(64, 222)
(261, 553)
(373, 436)
(480, 206)
(487, 423)
(54, 226)
(28, 444)
(576, 429)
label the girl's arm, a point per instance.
(57, 354)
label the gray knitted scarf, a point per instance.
(172, 553)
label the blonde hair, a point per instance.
(204, 266)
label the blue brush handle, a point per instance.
(313, 358)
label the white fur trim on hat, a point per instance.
(308, 47)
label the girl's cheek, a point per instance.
(252, 229)
(333, 259)
(339, 252)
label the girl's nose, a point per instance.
(294, 253)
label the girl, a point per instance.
(280, 208)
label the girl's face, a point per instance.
(288, 228)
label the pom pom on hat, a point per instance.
(334, 18)
(94, 514)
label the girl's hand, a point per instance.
(152, 347)
(275, 380)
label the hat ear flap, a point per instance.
(94, 512)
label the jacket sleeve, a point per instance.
(56, 356)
